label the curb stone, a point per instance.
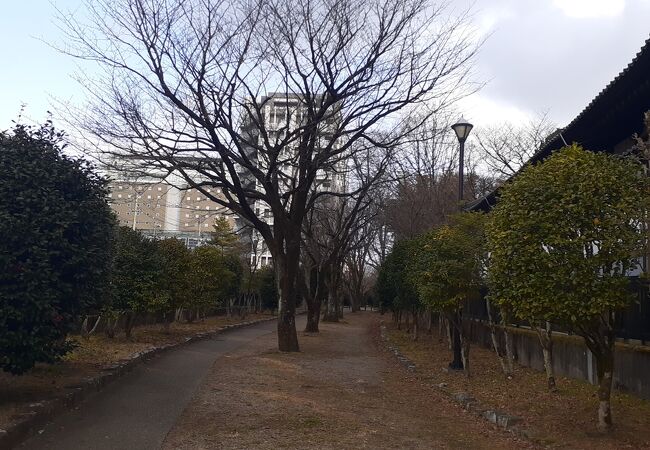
(403, 360)
(500, 419)
(42, 412)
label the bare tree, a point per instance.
(506, 147)
(425, 184)
(357, 264)
(332, 231)
(196, 87)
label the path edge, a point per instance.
(502, 420)
(45, 411)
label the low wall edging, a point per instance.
(44, 411)
(572, 358)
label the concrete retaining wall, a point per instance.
(571, 358)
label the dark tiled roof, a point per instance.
(614, 115)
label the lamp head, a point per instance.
(462, 129)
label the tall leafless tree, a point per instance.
(506, 147)
(184, 86)
(332, 230)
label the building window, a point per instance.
(120, 187)
(110, 195)
(188, 199)
(119, 195)
(186, 224)
(196, 216)
(160, 189)
(129, 196)
(205, 225)
(149, 197)
(207, 207)
(198, 199)
(187, 215)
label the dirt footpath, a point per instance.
(342, 391)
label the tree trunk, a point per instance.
(331, 313)
(354, 302)
(464, 341)
(168, 318)
(602, 346)
(605, 370)
(313, 318)
(84, 328)
(339, 306)
(128, 324)
(310, 285)
(457, 323)
(546, 341)
(331, 307)
(510, 356)
(111, 324)
(286, 267)
(415, 326)
(505, 367)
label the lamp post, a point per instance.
(462, 129)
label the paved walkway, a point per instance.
(138, 410)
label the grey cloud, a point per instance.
(539, 59)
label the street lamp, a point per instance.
(462, 129)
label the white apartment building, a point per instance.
(283, 112)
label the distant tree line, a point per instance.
(65, 264)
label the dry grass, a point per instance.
(340, 392)
(566, 419)
(92, 356)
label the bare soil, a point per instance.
(91, 357)
(566, 419)
(343, 390)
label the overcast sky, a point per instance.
(552, 55)
(541, 55)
